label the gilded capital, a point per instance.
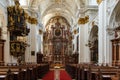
(83, 20)
(75, 31)
(99, 1)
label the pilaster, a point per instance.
(102, 32)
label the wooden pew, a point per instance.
(72, 69)
(23, 72)
(14, 71)
(42, 70)
(91, 72)
(100, 72)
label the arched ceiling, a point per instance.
(65, 8)
(50, 8)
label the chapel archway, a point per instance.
(114, 25)
(93, 44)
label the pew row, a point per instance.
(92, 72)
(23, 72)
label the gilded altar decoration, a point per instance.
(57, 40)
(57, 1)
(99, 1)
(83, 20)
(75, 31)
(17, 48)
(57, 32)
(70, 37)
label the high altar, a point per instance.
(57, 41)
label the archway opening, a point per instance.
(93, 44)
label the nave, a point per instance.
(80, 36)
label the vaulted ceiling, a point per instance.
(47, 9)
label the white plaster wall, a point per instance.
(28, 48)
(5, 34)
(92, 2)
(86, 48)
(82, 43)
(33, 45)
(33, 42)
(41, 43)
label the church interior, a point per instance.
(59, 40)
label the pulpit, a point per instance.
(18, 29)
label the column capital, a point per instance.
(99, 1)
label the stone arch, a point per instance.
(114, 22)
(93, 44)
(115, 16)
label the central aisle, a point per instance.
(57, 74)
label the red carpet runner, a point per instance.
(64, 75)
(49, 76)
